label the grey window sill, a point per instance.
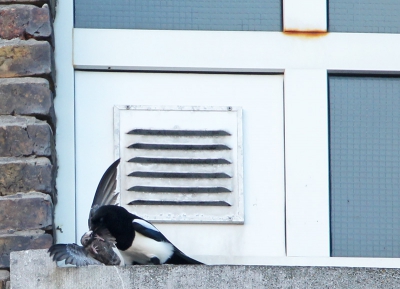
(34, 269)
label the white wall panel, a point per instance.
(261, 97)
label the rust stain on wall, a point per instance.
(306, 34)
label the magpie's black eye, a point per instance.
(101, 220)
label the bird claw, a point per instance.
(94, 248)
(98, 238)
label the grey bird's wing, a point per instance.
(72, 254)
(105, 193)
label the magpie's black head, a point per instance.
(102, 216)
(108, 217)
(117, 220)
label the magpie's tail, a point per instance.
(179, 258)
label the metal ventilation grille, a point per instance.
(180, 165)
(192, 169)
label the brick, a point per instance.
(26, 58)
(26, 174)
(25, 22)
(39, 3)
(25, 212)
(34, 2)
(4, 278)
(27, 96)
(25, 136)
(22, 241)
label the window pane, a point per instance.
(365, 166)
(374, 16)
(254, 15)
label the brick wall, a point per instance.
(27, 124)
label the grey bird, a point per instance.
(97, 248)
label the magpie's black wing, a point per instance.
(180, 258)
(105, 190)
(105, 193)
(147, 229)
(72, 254)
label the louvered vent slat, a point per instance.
(180, 175)
(152, 146)
(180, 203)
(181, 165)
(178, 161)
(166, 132)
(149, 189)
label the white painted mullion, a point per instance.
(234, 51)
(305, 16)
(64, 217)
(306, 163)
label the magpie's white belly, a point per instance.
(143, 249)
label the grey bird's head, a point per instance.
(87, 238)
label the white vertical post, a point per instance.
(65, 137)
(306, 162)
(305, 15)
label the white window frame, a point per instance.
(305, 59)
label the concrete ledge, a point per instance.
(34, 269)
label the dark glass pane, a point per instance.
(373, 16)
(254, 15)
(365, 166)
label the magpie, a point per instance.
(97, 248)
(138, 241)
